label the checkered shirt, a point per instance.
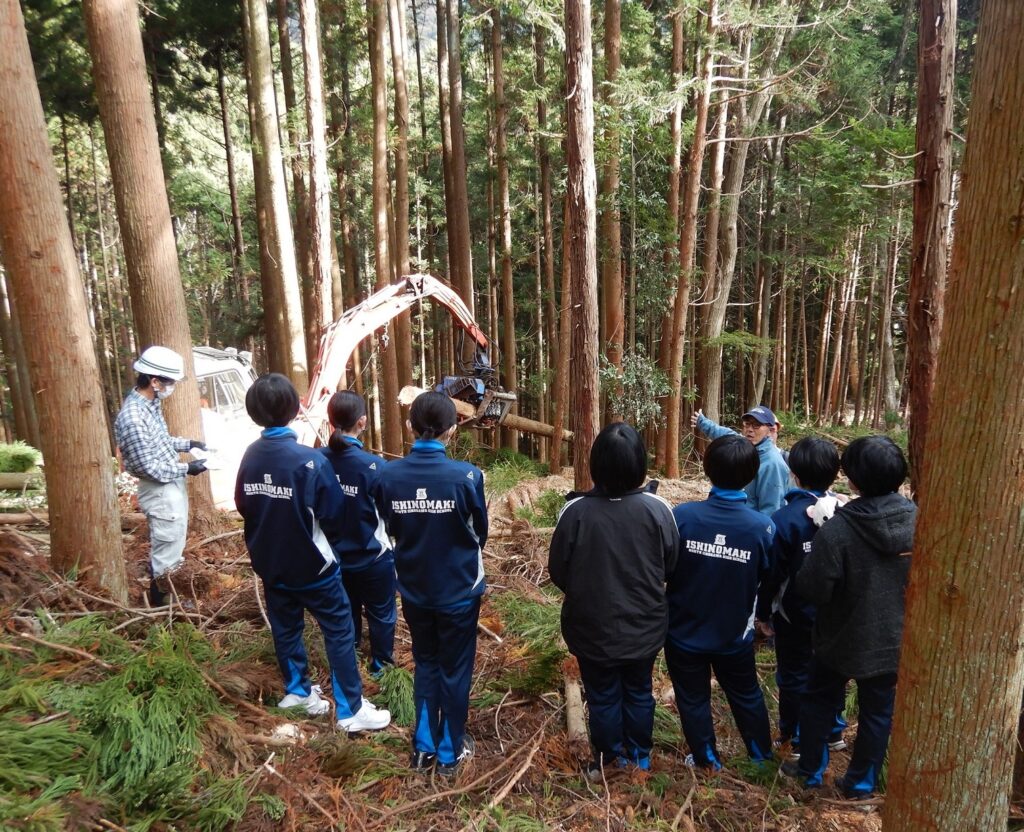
(147, 449)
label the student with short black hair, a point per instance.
(610, 553)
(856, 575)
(814, 464)
(436, 512)
(364, 548)
(723, 555)
(293, 508)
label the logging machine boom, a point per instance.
(477, 387)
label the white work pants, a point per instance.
(165, 505)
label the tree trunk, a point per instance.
(237, 240)
(611, 220)
(85, 530)
(154, 283)
(509, 438)
(461, 247)
(561, 369)
(377, 31)
(319, 310)
(687, 251)
(26, 427)
(933, 170)
(581, 199)
(962, 668)
(400, 248)
(444, 108)
(281, 294)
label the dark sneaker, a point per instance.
(593, 771)
(451, 769)
(791, 768)
(422, 760)
(157, 597)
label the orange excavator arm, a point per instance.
(341, 338)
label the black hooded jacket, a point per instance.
(856, 574)
(610, 556)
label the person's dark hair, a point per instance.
(815, 462)
(875, 465)
(343, 410)
(731, 462)
(618, 459)
(272, 401)
(431, 415)
(143, 380)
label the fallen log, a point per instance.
(41, 518)
(16, 482)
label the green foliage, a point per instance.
(762, 774)
(40, 813)
(18, 458)
(535, 623)
(544, 512)
(30, 754)
(273, 806)
(507, 469)
(634, 390)
(667, 729)
(539, 671)
(396, 689)
(515, 822)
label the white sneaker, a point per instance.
(369, 718)
(314, 705)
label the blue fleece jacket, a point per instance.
(794, 531)
(723, 553)
(365, 540)
(435, 510)
(292, 506)
(766, 493)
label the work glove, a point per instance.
(196, 443)
(196, 467)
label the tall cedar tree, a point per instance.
(962, 665)
(611, 228)
(581, 201)
(143, 212)
(933, 169)
(85, 526)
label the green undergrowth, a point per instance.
(396, 692)
(544, 512)
(18, 458)
(505, 469)
(137, 732)
(536, 625)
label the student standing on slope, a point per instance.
(723, 555)
(435, 510)
(766, 492)
(610, 553)
(367, 562)
(293, 507)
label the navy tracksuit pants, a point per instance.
(328, 604)
(793, 653)
(737, 676)
(444, 650)
(826, 690)
(621, 709)
(373, 589)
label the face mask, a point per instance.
(166, 392)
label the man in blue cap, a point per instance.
(766, 493)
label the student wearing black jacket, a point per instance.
(723, 555)
(435, 510)
(364, 548)
(293, 507)
(610, 552)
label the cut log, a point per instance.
(16, 482)
(128, 521)
(575, 724)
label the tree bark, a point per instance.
(962, 666)
(461, 247)
(281, 293)
(933, 170)
(85, 533)
(400, 248)
(687, 251)
(550, 298)
(143, 212)
(581, 199)
(319, 310)
(377, 31)
(611, 219)
(26, 425)
(509, 437)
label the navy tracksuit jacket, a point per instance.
(293, 507)
(723, 553)
(435, 510)
(364, 549)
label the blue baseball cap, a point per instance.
(761, 414)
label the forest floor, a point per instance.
(124, 718)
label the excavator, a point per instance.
(479, 400)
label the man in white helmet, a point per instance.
(150, 453)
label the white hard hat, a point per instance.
(160, 361)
